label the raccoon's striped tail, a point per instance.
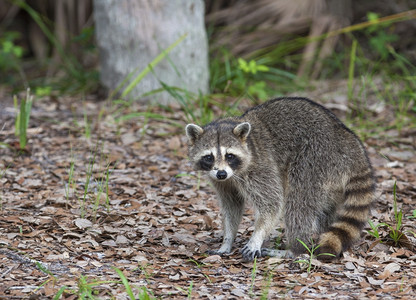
(351, 218)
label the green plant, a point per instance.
(200, 266)
(266, 288)
(87, 126)
(256, 88)
(144, 72)
(374, 229)
(44, 269)
(86, 287)
(255, 77)
(311, 251)
(89, 175)
(107, 189)
(71, 182)
(10, 57)
(42, 91)
(102, 188)
(351, 69)
(378, 34)
(253, 276)
(196, 109)
(125, 282)
(144, 269)
(413, 216)
(51, 278)
(395, 230)
(251, 66)
(22, 118)
(100, 194)
(145, 294)
(60, 292)
(188, 291)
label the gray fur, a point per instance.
(295, 160)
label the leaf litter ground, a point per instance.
(132, 202)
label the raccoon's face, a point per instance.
(220, 148)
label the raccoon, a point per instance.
(294, 161)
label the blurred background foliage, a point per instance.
(259, 48)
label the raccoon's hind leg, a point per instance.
(232, 207)
(301, 215)
(351, 217)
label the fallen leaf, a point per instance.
(373, 281)
(388, 270)
(83, 223)
(212, 259)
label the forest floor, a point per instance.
(88, 197)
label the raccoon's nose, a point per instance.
(221, 174)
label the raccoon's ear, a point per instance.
(242, 130)
(193, 132)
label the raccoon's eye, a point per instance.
(208, 158)
(229, 156)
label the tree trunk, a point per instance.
(131, 33)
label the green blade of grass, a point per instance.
(60, 292)
(22, 125)
(351, 69)
(150, 66)
(125, 282)
(17, 121)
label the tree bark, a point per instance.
(131, 33)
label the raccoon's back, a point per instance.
(287, 126)
(299, 115)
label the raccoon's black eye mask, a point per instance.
(232, 160)
(206, 162)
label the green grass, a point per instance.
(200, 267)
(11, 57)
(88, 177)
(253, 277)
(88, 288)
(22, 117)
(96, 185)
(126, 283)
(70, 185)
(146, 70)
(374, 232)
(311, 251)
(266, 288)
(187, 291)
(394, 228)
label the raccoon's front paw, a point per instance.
(249, 254)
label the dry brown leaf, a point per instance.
(388, 270)
(82, 223)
